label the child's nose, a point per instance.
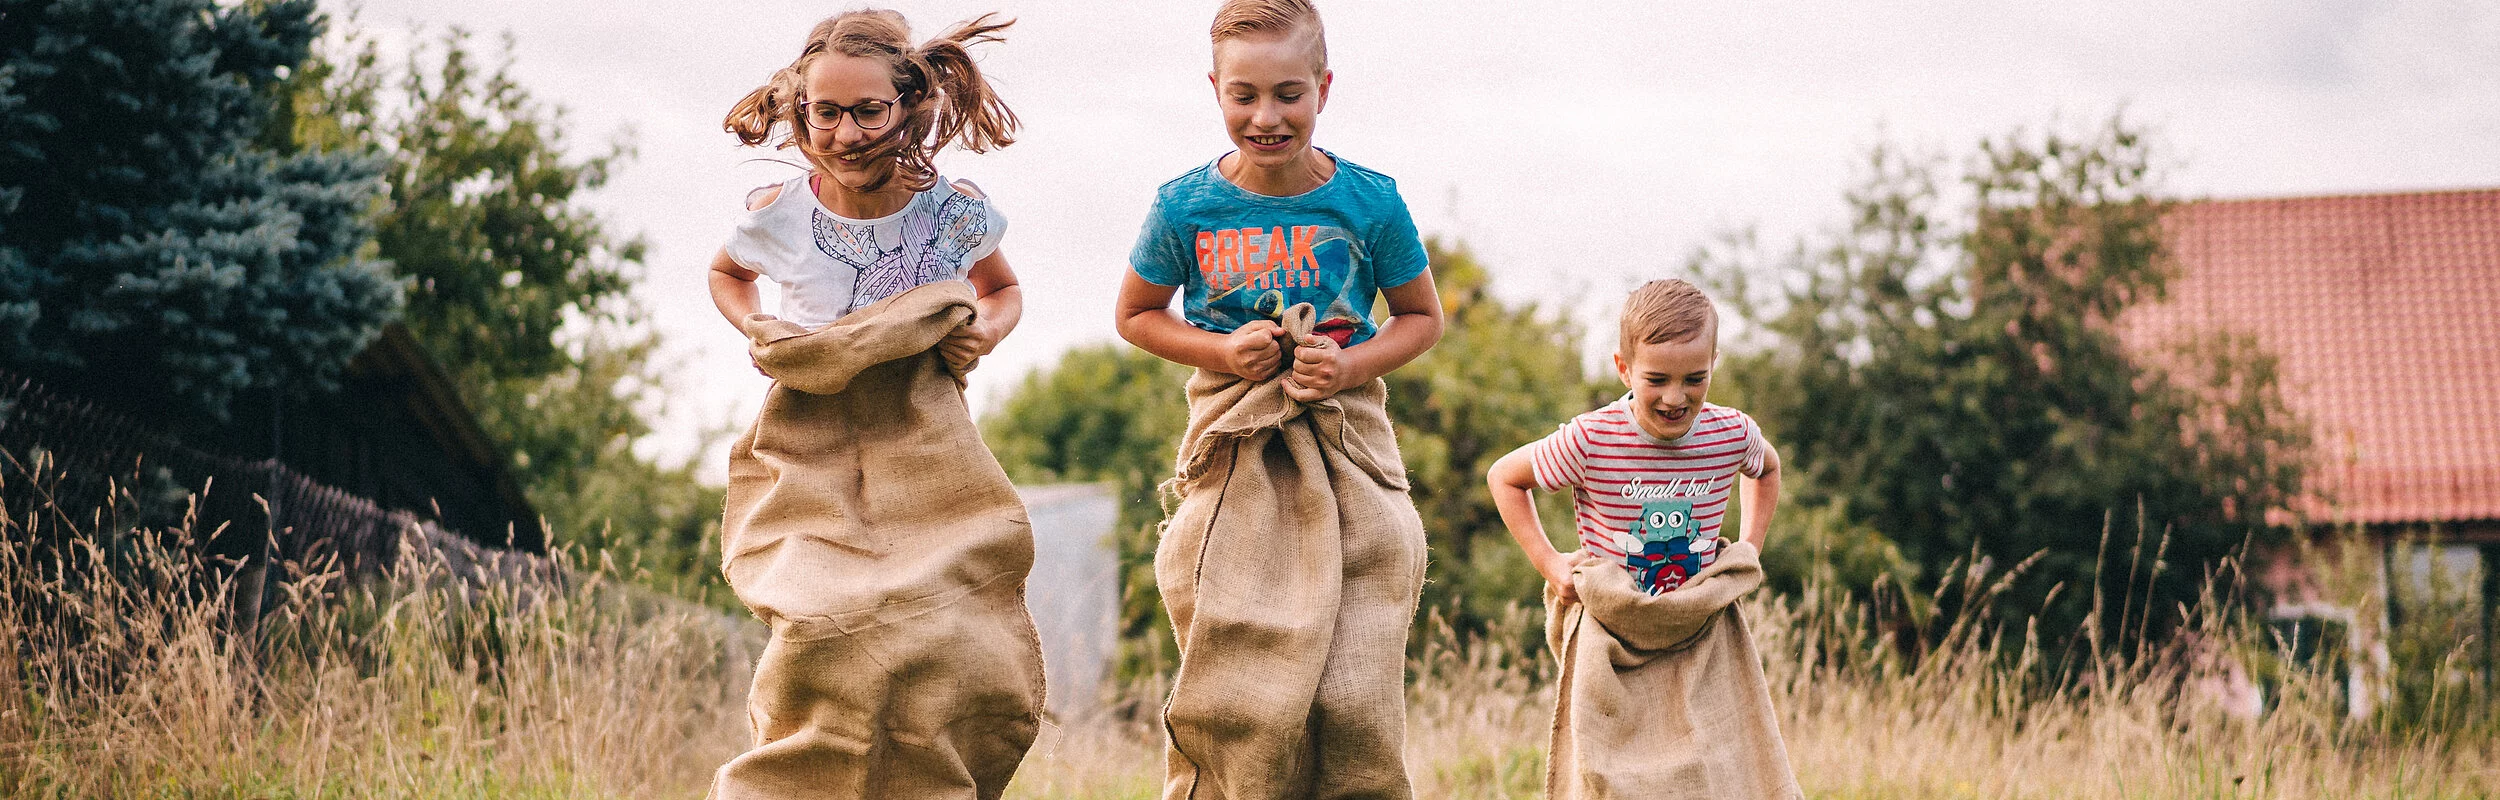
(1267, 115)
(848, 133)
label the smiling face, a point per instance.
(1668, 381)
(1271, 88)
(849, 80)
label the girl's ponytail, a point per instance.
(753, 118)
(972, 111)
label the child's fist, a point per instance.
(1317, 374)
(964, 346)
(1557, 572)
(1251, 351)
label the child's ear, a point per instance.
(1211, 84)
(1623, 369)
(1326, 77)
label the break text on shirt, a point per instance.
(1259, 258)
(1642, 489)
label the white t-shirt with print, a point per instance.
(828, 265)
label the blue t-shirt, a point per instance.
(1241, 256)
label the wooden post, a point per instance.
(2490, 595)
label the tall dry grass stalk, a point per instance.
(128, 675)
(142, 684)
(1963, 722)
(1973, 716)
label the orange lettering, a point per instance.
(1302, 244)
(1227, 246)
(1206, 252)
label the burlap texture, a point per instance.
(875, 533)
(1291, 568)
(1662, 697)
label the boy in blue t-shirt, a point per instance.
(1290, 565)
(1241, 257)
(1278, 222)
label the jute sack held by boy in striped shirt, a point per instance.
(1661, 694)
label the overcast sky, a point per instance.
(1580, 148)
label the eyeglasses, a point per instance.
(868, 114)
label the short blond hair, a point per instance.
(1667, 310)
(1239, 18)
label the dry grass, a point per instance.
(1970, 719)
(418, 686)
(428, 686)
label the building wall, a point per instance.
(1075, 591)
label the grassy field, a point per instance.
(429, 686)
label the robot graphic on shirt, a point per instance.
(1662, 549)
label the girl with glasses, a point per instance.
(866, 522)
(869, 110)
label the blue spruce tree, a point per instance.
(155, 246)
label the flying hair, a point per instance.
(1242, 18)
(1667, 310)
(945, 99)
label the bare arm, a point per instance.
(1146, 320)
(733, 290)
(1761, 497)
(997, 306)
(733, 286)
(1320, 370)
(1512, 481)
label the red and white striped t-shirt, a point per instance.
(1614, 467)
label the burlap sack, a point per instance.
(1662, 697)
(1291, 568)
(869, 525)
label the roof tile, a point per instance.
(2385, 312)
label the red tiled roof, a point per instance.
(2385, 311)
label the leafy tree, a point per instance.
(1503, 375)
(1958, 382)
(153, 249)
(521, 292)
(1105, 413)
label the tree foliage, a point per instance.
(1106, 413)
(520, 290)
(1957, 380)
(153, 248)
(1503, 375)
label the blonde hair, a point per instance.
(943, 96)
(1668, 310)
(1240, 18)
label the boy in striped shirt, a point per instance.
(1650, 473)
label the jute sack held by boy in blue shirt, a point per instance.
(1292, 562)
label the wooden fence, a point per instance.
(68, 465)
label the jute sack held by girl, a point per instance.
(866, 522)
